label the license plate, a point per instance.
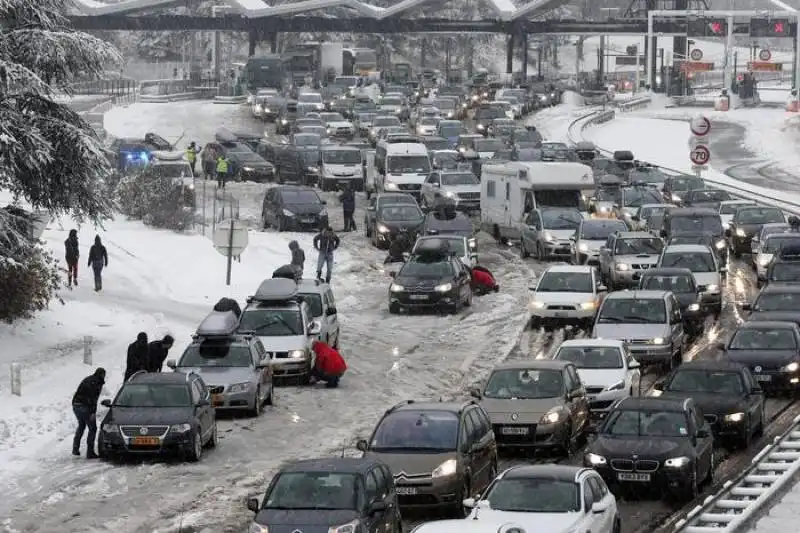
(216, 399)
(762, 377)
(631, 476)
(146, 441)
(406, 491)
(514, 431)
(560, 314)
(418, 297)
(308, 220)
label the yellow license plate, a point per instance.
(216, 399)
(146, 441)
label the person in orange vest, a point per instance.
(329, 365)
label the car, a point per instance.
(338, 126)
(322, 309)
(249, 166)
(236, 366)
(158, 414)
(765, 248)
(627, 255)
(462, 188)
(691, 220)
(706, 198)
(364, 122)
(591, 235)
(632, 198)
(433, 143)
(649, 321)
(705, 267)
(660, 443)
(385, 198)
(432, 278)
(440, 453)
(770, 349)
(718, 246)
(606, 368)
(348, 494)
(447, 221)
(544, 498)
(388, 220)
(677, 187)
(483, 118)
(307, 121)
(785, 268)
(318, 103)
(647, 175)
(288, 207)
(292, 165)
(746, 223)
(465, 249)
(394, 106)
(427, 126)
(445, 159)
(340, 167)
(565, 295)
(381, 121)
(270, 107)
(728, 208)
(488, 148)
(450, 130)
(523, 138)
(502, 128)
(681, 283)
(607, 197)
(649, 217)
(281, 319)
(546, 232)
(464, 142)
(557, 151)
(775, 302)
(286, 117)
(730, 398)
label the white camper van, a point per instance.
(510, 191)
(400, 167)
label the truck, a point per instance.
(331, 61)
(510, 191)
(360, 62)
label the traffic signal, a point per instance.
(770, 28)
(707, 27)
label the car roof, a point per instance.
(555, 472)
(450, 407)
(534, 364)
(780, 288)
(711, 364)
(581, 269)
(767, 324)
(652, 403)
(340, 148)
(580, 343)
(635, 235)
(345, 465)
(743, 202)
(693, 211)
(636, 295)
(667, 271)
(158, 377)
(603, 222)
(687, 248)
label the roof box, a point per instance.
(224, 135)
(610, 180)
(432, 247)
(218, 324)
(585, 146)
(623, 155)
(276, 290)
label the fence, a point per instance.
(213, 205)
(119, 87)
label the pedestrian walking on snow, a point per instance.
(73, 254)
(84, 405)
(157, 353)
(325, 242)
(298, 257)
(137, 356)
(98, 260)
(348, 199)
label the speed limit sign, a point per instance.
(764, 55)
(700, 155)
(696, 54)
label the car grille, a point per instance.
(642, 266)
(761, 369)
(216, 389)
(409, 186)
(702, 288)
(638, 341)
(344, 174)
(469, 195)
(711, 419)
(594, 390)
(601, 404)
(136, 431)
(629, 465)
(341, 131)
(280, 355)
(561, 307)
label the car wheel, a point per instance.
(747, 435)
(196, 453)
(523, 252)
(394, 309)
(213, 440)
(762, 421)
(694, 485)
(710, 475)
(567, 447)
(256, 409)
(458, 508)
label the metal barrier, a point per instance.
(178, 86)
(634, 103)
(117, 87)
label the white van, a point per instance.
(512, 190)
(401, 167)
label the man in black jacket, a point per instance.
(72, 253)
(157, 353)
(98, 259)
(137, 355)
(84, 405)
(348, 199)
(325, 242)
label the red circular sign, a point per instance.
(696, 54)
(700, 155)
(765, 55)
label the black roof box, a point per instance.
(276, 290)
(623, 155)
(218, 324)
(291, 272)
(585, 146)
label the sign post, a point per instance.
(230, 239)
(699, 153)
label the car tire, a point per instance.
(747, 435)
(567, 447)
(394, 309)
(709, 480)
(458, 510)
(213, 440)
(196, 453)
(761, 423)
(256, 410)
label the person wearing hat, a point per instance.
(84, 405)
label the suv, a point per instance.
(766, 248)
(546, 232)
(566, 295)
(627, 255)
(440, 452)
(705, 267)
(289, 207)
(347, 494)
(785, 268)
(649, 321)
(322, 308)
(676, 187)
(462, 188)
(159, 414)
(281, 319)
(693, 221)
(590, 236)
(746, 223)
(236, 365)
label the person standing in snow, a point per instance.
(84, 405)
(348, 199)
(325, 242)
(222, 172)
(298, 257)
(98, 260)
(73, 254)
(137, 355)
(191, 156)
(209, 161)
(157, 353)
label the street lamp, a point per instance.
(215, 43)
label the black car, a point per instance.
(432, 278)
(125, 153)
(660, 443)
(270, 109)
(525, 139)
(286, 117)
(484, 116)
(391, 219)
(776, 302)
(681, 283)
(447, 221)
(292, 166)
(708, 198)
(730, 398)
(771, 350)
(337, 494)
(249, 166)
(785, 268)
(382, 199)
(435, 143)
(692, 221)
(717, 244)
(269, 150)
(747, 223)
(646, 175)
(552, 151)
(677, 187)
(503, 128)
(159, 414)
(289, 207)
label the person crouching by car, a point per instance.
(400, 245)
(483, 281)
(329, 365)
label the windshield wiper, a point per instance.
(275, 320)
(614, 319)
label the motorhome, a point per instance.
(510, 191)
(400, 167)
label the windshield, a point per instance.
(610, 194)
(345, 81)
(380, 122)
(314, 302)
(319, 131)
(591, 357)
(429, 121)
(758, 215)
(601, 230)
(153, 395)
(450, 130)
(646, 176)
(417, 430)
(342, 157)
(172, 171)
(446, 161)
(694, 261)
(774, 243)
(400, 213)
(625, 423)
(724, 383)
(685, 184)
(534, 495)
(488, 114)
(278, 322)
(675, 284)
(648, 212)
(392, 101)
(217, 354)
(785, 272)
(313, 490)
(525, 384)
(331, 117)
(730, 209)
(763, 339)
(709, 196)
(488, 145)
(696, 224)
(637, 197)
(418, 269)
(366, 117)
(311, 98)
(633, 311)
(465, 178)
(651, 246)
(307, 140)
(560, 220)
(565, 282)
(778, 301)
(436, 144)
(299, 197)
(398, 164)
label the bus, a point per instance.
(359, 62)
(264, 72)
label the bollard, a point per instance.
(87, 350)
(16, 379)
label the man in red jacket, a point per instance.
(329, 365)
(483, 281)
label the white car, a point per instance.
(312, 98)
(427, 126)
(322, 308)
(548, 498)
(764, 249)
(337, 126)
(728, 208)
(566, 295)
(607, 369)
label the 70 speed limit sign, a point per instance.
(700, 155)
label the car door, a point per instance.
(579, 404)
(755, 400)
(374, 521)
(203, 413)
(530, 230)
(262, 367)
(602, 522)
(331, 315)
(488, 448)
(676, 321)
(471, 451)
(606, 256)
(703, 442)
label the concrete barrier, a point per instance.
(634, 103)
(163, 99)
(229, 100)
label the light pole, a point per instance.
(216, 42)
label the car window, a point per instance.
(600, 232)
(675, 284)
(153, 395)
(638, 246)
(597, 489)
(553, 219)
(623, 422)
(588, 499)
(591, 357)
(694, 261)
(708, 381)
(758, 215)
(763, 339)
(633, 310)
(526, 384)
(272, 321)
(696, 224)
(534, 495)
(327, 491)
(197, 392)
(410, 430)
(372, 487)
(314, 302)
(211, 353)
(565, 282)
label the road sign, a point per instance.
(700, 126)
(700, 155)
(696, 66)
(764, 54)
(230, 239)
(696, 54)
(763, 66)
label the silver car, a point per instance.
(460, 187)
(626, 255)
(546, 232)
(705, 267)
(766, 243)
(649, 217)
(565, 295)
(590, 236)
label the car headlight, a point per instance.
(588, 306)
(287, 213)
(180, 428)
(284, 121)
(444, 287)
(740, 232)
(604, 209)
(297, 354)
(616, 386)
(676, 198)
(472, 243)
(313, 169)
(450, 115)
(396, 288)
(449, 194)
(324, 212)
(693, 307)
(622, 267)
(583, 247)
(712, 288)
(655, 393)
(239, 387)
(677, 462)
(248, 169)
(764, 260)
(257, 528)
(536, 304)
(791, 367)
(349, 527)
(330, 131)
(734, 417)
(390, 186)
(382, 229)
(320, 106)
(658, 341)
(447, 468)
(480, 126)
(110, 428)
(551, 417)
(464, 105)
(547, 237)
(594, 459)
(543, 98)
(266, 110)
(719, 245)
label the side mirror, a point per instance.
(392, 274)
(469, 503)
(602, 288)
(475, 392)
(633, 365)
(252, 504)
(203, 402)
(324, 202)
(106, 403)
(331, 311)
(575, 394)
(599, 507)
(171, 364)
(533, 287)
(635, 218)
(314, 328)
(747, 306)
(362, 445)
(658, 386)
(721, 346)
(435, 184)
(371, 208)
(663, 234)
(378, 507)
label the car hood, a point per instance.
(254, 163)
(762, 357)
(685, 298)
(551, 522)
(397, 225)
(149, 416)
(644, 447)
(462, 188)
(629, 331)
(710, 403)
(640, 259)
(216, 375)
(519, 411)
(706, 205)
(284, 344)
(422, 284)
(706, 278)
(592, 245)
(410, 463)
(341, 170)
(563, 297)
(601, 377)
(777, 316)
(305, 520)
(561, 234)
(304, 209)
(339, 124)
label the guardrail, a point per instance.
(634, 103)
